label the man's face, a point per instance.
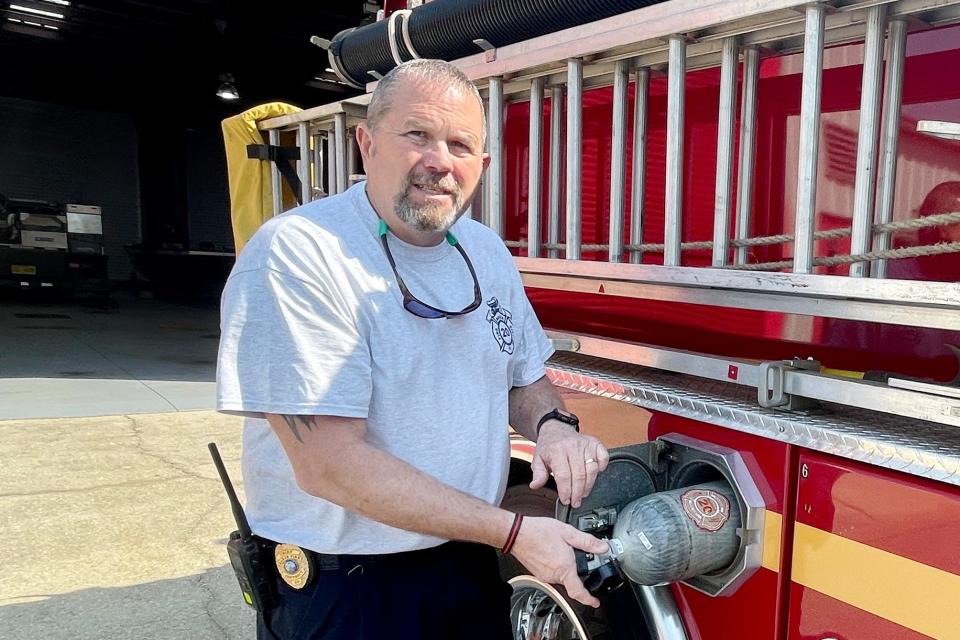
(424, 159)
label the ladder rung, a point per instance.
(748, 145)
(676, 80)
(809, 140)
(725, 123)
(534, 191)
(639, 167)
(866, 171)
(574, 157)
(892, 97)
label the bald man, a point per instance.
(379, 345)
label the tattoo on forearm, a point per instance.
(292, 422)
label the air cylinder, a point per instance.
(675, 535)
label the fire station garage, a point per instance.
(737, 222)
(115, 220)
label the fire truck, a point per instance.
(740, 223)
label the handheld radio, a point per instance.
(247, 555)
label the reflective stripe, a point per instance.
(904, 591)
(772, 526)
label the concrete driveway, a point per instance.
(114, 527)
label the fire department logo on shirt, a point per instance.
(709, 510)
(501, 321)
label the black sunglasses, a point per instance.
(422, 309)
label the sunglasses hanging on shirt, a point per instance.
(419, 308)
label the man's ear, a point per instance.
(486, 161)
(364, 140)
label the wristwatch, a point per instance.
(563, 416)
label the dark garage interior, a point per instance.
(113, 105)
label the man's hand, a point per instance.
(545, 547)
(573, 459)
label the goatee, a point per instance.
(427, 216)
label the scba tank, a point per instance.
(675, 535)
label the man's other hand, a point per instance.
(572, 458)
(545, 547)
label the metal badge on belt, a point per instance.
(293, 565)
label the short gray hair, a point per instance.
(428, 71)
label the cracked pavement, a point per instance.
(115, 527)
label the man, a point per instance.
(388, 343)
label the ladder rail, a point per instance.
(866, 171)
(574, 157)
(933, 305)
(808, 154)
(725, 132)
(304, 167)
(274, 139)
(618, 161)
(639, 168)
(748, 149)
(892, 97)
(340, 150)
(535, 172)
(318, 191)
(331, 162)
(495, 172)
(557, 101)
(676, 89)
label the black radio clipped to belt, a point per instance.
(251, 560)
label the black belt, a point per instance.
(350, 562)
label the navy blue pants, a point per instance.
(450, 592)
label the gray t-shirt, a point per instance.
(313, 324)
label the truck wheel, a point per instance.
(539, 611)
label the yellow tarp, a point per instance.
(251, 188)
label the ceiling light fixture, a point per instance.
(62, 3)
(17, 20)
(227, 90)
(36, 12)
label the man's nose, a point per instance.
(437, 158)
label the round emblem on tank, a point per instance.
(707, 509)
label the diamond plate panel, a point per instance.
(917, 447)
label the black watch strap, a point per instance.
(563, 416)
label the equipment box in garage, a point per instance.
(49, 245)
(42, 225)
(84, 228)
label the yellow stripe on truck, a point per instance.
(772, 525)
(904, 591)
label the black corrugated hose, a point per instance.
(446, 29)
